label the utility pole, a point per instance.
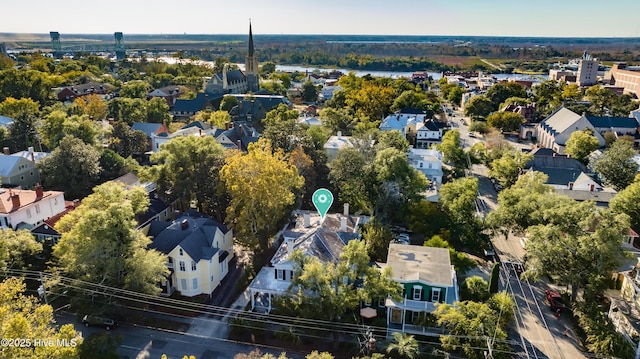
(489, 354)
(42, 289)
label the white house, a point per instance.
(335, 143)
(198, 249)
(162, 138)
(25, 209)
(429, 133)
(322, 239)
(429, 162)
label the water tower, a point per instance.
(121, 53)
(55, 44)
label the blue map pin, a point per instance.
(323, 199)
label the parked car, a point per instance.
(99, 321)
(402, 238)
(489, 251)
(471, 134)
(555, 301)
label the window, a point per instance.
(180, 251)
(193, 266)
(417, 292)
(381, 302)
(183, 284)
(420, 164)
(28, 213)
(414, 316)
(37, 208)
(195, 283)
(55, 201)
(435, 295)
(280, 274)
(183, 267)
(212, 278)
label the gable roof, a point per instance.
(430, 125)
(193, 105)
(418, 263)
(560, 120)
(242, 133)
(8, 163)
(413, 110)
(547, 158)
(26, 197)
(193, 232)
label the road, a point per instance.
(540, 333)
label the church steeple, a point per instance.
(251, 65)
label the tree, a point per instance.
(404, 345)
(268, 67)
(514, 101)
(468, 326)
(125, 141)
(73, 167)
(354, 179)
(24, 317)
(263, 188)
(451, 149)
(24, 112)
(335, 120)
(16, 247)
(580, 145)
(27, 84)
(616, 166)
(309, 92)
(218, 119)
(501, 91)
(507, 168)
(627, 201)
(96, 107)
(475, 289)
(228, 102)
(394, 139)
(580, 254)
(158, 111)
(452, 93)
(494, 279)
(478, 126)
(377, 238)
(129, 110)
(135, 89)
(188, 169)
(505, 121)
(371, 101)
(478, 107)
(100, 243)
(100, 346)
(458, 198)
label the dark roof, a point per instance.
(432, 125)
(196, 238)
(545, 158)
(156, 206)
(608, 122)
(156, 227)
(199, 124)
(45, 230)
(90, 87)
(245, 138)
(269, 102)
(244, 107)
(559, 176)
(235, 76)
(194, 105)
(148, 128)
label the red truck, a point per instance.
(555, 301)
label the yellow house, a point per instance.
(198, 249)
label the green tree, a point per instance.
(627, 201)
(566, 250)
(452, 93)
(100, 346)
(188, 169)
(268, 68)
(354, 179)
(27, 84)
(468, 326)
(479, 127)
(514, 101)
(16, 247)
(24, 317)
(25, 113)
(228, 102)
(264, 200)
(158, 111)
(135, 89)
(507, 168)
(335, 120)
(451, 149)
(478, 107)
(129, 110)
(73, 167)
(501, 91)
(100, 242)
(505, 121)
(125, 141)
(475, 289)
(580, 144)
(392, 139)
(309, 92)
(616, 166)
(494, 279)
(404, 345)
(377, 238)
(458, 198)
(51, 131)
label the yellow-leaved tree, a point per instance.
(263, 188)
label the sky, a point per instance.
(547, 18)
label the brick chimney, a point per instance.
(5, 150)
(15, 202)
(39, 192)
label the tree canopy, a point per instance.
(616, 166)
(580, 145)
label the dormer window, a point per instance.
(180, 251)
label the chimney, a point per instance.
(592, 187)
(289, 242)
(5, 150)
(200, 132)
(570, 185)
(32, 155)
(39, 192)
(307, 220)
(346, 209)
(239, 144)
(343, 223)
(227, 126)
(184, 224)
(339, 135)
(15, 202)
(554, 154)
(240, 131)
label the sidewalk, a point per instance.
(207, 325)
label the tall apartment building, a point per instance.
(587, 70)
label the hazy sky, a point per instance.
(575, 18)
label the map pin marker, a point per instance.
(322, 199)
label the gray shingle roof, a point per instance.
(148, 128)
(8, 163)
(608, 122)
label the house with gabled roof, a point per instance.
(427, 278)
(196, 128)
(198, 249)
(324, 240)
(248, 111)
(70, 93)
(238, 137)
(26, 209)
(168, 93)
(554, 131)
(429, 133)
(18, 172)
(184, 108)
(429, 162)
(150, 130)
